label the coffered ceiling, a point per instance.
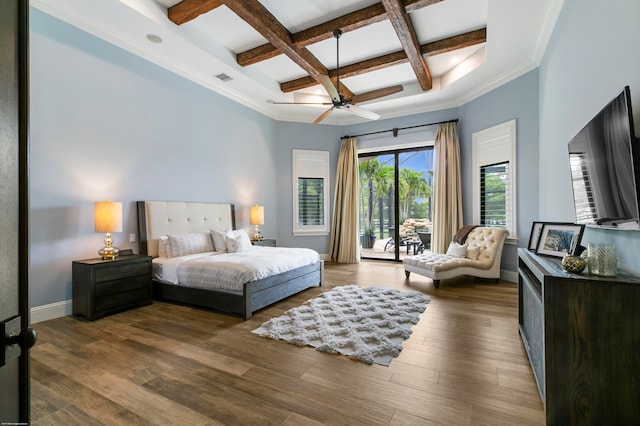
(424, 55)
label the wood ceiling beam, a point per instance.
(256, 15)
(407, 34)
(188, 10)
(349, 22)
(437, 47)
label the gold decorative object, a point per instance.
(573, 264)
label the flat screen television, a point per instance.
(605, 168)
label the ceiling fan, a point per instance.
(338, 101)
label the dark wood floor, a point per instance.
(168, 364)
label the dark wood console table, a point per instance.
(582, 336)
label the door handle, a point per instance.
(26, 339)
(13, 340)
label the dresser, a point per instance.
(582, 336)
(101, 287)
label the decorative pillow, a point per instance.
(220, 238)
(241, 234)
(183, 245)
(219, 242)
(473, 253)
(457, 250)
(163, 245)
(236, 244)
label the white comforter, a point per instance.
(229, 271)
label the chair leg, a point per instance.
(407, 273)
(436, 283)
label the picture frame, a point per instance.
(534, 236)
(559, 239)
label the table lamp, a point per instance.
(108, 218)
(256, 217)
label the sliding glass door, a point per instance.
(395, 203)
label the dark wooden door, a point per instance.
(15, 336)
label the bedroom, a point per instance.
(113, 121)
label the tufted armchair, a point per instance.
(481, 258)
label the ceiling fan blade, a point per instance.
(299, 103)
(375, 94)
(329, 87)
(364, 113)
(323, 116)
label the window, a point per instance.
(582, 191)
(311, 192)
(494, 182)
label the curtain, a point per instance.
(447, 192)
(344, 246)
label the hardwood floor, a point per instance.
(170, 364)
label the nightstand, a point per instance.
(265, 242)
(101, 287)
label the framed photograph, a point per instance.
(559, 239)
(534, 237)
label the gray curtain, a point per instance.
(447, 192)
(344, 246)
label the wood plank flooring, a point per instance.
(167, 364)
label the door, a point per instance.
(15, 336)
(395, 203)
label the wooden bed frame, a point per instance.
(156, 218)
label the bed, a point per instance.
(158, 219)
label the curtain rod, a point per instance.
(395, 130)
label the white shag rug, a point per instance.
(366, 324)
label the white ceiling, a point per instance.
(517, 33)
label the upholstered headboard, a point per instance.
(156, 218)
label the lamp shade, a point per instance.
(108, 216)
(256, 215)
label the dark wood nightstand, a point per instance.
(101, 287)
(265, 242)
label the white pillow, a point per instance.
(237, 244)
(457, 250)
(218, 238)
(183, 245)
(473, 253)
(242, 235)
(163, 245)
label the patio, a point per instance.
(378, 250)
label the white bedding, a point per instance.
(229, 271)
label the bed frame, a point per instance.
(156, 218)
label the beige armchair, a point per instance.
(482, 258)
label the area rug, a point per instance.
(366, 324)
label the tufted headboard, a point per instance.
(156, 218)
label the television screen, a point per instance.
(603, 170)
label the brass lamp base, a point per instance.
(256, 234)
(108, 252)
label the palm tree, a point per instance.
(412, 185)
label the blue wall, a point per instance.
(105, 123)
(592, 55)
(517, 100)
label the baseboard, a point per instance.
(511, 276)
(51, 311)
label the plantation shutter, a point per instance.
(310, 201)
(495, 195)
